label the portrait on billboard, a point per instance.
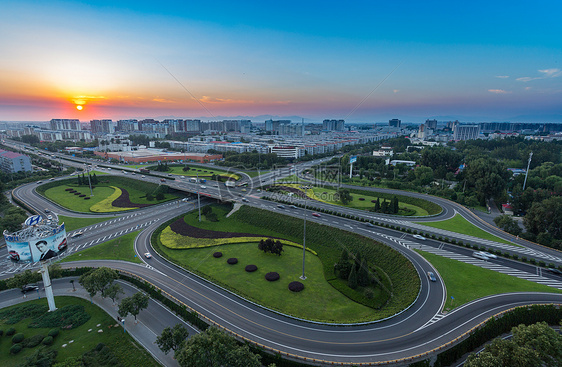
(44, 250)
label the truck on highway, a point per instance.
(202, 180)
(193, 179)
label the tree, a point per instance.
(352, 280)
(344, 196)
(545, 217)
(55, 271)
(532, 345)
(41, 357)
(277, 248)
(215, 348)
(98, 280)
(112, 292)
(185, 168)
(133, 305)
(22, 279)
(172, 338)
(507, 223)
(363, 278)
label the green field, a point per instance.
(121, 248)
(466, 282)
(121, 344)
(137, 190)
(71, 223)
(326, 195)
(318, 300)
(458, 224)
(396, 271)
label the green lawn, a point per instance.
(318, 300)
(121, 248)
(73, 202)
(326, 195)
(120, 343)
(466, 282)
(71, 223)
(458, 224)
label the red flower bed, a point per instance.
(180, 227)
(124, 202)
(271, 277)
(296, 286)
(251, 268)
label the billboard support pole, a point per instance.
(48, 286)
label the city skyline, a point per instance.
(317, 60)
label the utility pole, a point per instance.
(303, 277)
(89, 180)
(527, 173)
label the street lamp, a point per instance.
(303, 277)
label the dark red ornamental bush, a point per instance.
(81, 196)
(251, 268)
(77, 193)
(362, 199)
(373, 201)
(296, 286)
(67, 189)
(232, 261)
(87, 198)
(273, 276)
(217, 254)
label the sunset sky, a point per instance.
(365, 61)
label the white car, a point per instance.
(147, 255)
(203, 186)
(76, 234)
(489, 255)
(419, 237)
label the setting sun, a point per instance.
(79, 107)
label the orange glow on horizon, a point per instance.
(79, 107)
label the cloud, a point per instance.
(547, 73)
(396, 90)
(499, 91)
(502, 76)
(163, 100)
(528, 88)
(207, 99)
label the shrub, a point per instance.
(33, 341)
(18, 338)
(362, 199)
(11, 331)
(53, 332)
(47, 340)
(232, 261)
(1, 332)
(272, 276)
(295, 286)
(81, 196)
(15, 349)
(217, 254)
(251, 268)
(87, 198)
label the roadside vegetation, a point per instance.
(70, 335)
(467, 282)
(326, 296)
(73, 223)
(106, 197)
(458, 224)
(121, 248)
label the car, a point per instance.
(47, 210)
(142, 176)
(39, 182)
(169, 174)
(124, 172)
(487, 254)
(293, 207)
(147, 255)
(281, 206)
(480, 255)
(76, 234)
(51, 179)
(203, 186)
(419, 237)
(29, 288)
(133, 173)
(49, 217)
(316, 215)
(245, 200)
(431, 276)
(244, 190)
(369, 224)
(554, 271)
(162, 180)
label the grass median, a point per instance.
(121, 248)
(71, 223)
(467, 282)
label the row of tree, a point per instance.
(86, 179)
(271, 246)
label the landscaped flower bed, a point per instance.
(123, 201)
(232, 261)
(217, 254)
(296, 286)
(272, 276)
(251, 268)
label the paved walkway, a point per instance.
(150, 322)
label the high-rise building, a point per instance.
(127, 125)
(394, 123)
(431, 124)
(102, 126)
(65, 124)
(465, 132)
(333, 125)
(11, 162)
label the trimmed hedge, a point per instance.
(53, 332)
(15, 349)
(272, 276)
(217, 254)
(11, 331)
(18, 338)
(48, 340)
(296, 286)
(33, 341)
(232, 261)
(251, 268)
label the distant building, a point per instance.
(102, 126)
(127, 125)
(333, 125)
(11, 162)
(65, 124)
(431, 124)
(465, 132)
(394, 123)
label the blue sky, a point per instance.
(131, 59)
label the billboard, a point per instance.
(352, 159)
(37, 248)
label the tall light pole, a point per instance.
(89, 180)
(198, 198)
(527, 173)
(303, 277)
